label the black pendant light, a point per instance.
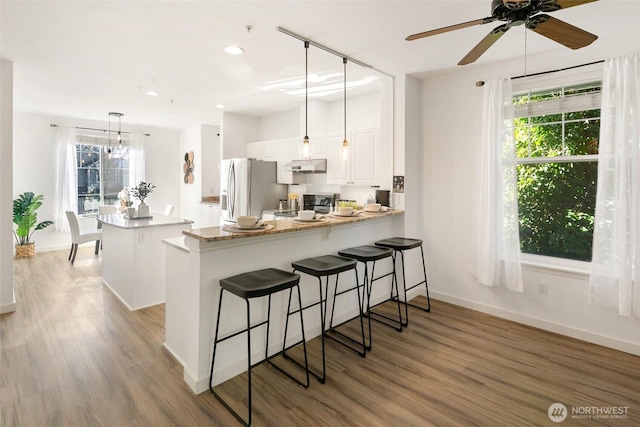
(345, 143)
(109, 152)
(305, 142)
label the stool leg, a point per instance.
(394, 286)
(424, 271)
(404, 286)
(249, 362)
(332, 329)
(213, 359)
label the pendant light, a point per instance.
(119, 129)
(345, 143)
(305, 142)
(109, 152)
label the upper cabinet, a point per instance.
(261, 150)
(364, 163)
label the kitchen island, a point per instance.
(198, 260)
(133, 256)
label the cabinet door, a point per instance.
(253, 150)
(363, 150)
(338, 168)
(283, 151)
(269, 150)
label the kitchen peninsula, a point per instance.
(197, 261)
(133, 256)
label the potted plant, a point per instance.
(141, 192)
(26, 218)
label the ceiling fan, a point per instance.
(518, 12)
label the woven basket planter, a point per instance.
(26, 251)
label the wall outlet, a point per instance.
(543, 288)
(142, 237)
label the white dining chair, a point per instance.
(79, 237)
(168, 211)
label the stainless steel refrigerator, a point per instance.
(247, 187)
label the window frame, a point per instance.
(541, 263)
(101, 142)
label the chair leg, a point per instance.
(75, 252)
(97, 246)
(70, 252)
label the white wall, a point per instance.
(210, 160)
(7, 297)
(34, 166)
(191, 194)
(283, 124)
(237, 130)
(452, 127)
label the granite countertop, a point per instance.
(157, 220)
(213, 234)
(210, 200)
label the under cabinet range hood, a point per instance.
(309, 166)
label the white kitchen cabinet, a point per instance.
(284, 154)
(261, 150)
(364, 164)
(209, 216)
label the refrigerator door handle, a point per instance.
(231, 186)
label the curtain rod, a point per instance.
(558, 70)
(481, 83)
(328, 49)
(53, 125)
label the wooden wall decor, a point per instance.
(187, 168)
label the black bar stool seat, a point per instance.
(401, 244)
(366, 254)
(325, 266)
(256, 284)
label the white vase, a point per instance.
(143, 210)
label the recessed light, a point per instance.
(234, 50)
(220, 106)
(151, 93)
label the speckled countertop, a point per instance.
(157, 220)
(213, 234)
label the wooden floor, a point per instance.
(72, 355)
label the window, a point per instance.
(556, 134)
(100, 178)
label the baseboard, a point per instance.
(557, 328)
(8, 308)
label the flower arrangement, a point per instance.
(142, 190)
(125, 197)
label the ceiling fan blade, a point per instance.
(450, 28)
(563, 4)
(560, 31)
(484, 44)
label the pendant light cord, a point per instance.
(344, 61)
(306, 90)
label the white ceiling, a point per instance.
(82, 59)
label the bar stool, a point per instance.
(366, 254)
(250, 285)
(401, 244)
(326, 266)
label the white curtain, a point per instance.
(615, 265)
(66, 189)
(496, 227)
(136, 159)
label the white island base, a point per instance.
(133, 257)
(197, 262)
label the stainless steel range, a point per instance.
(319, 202)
